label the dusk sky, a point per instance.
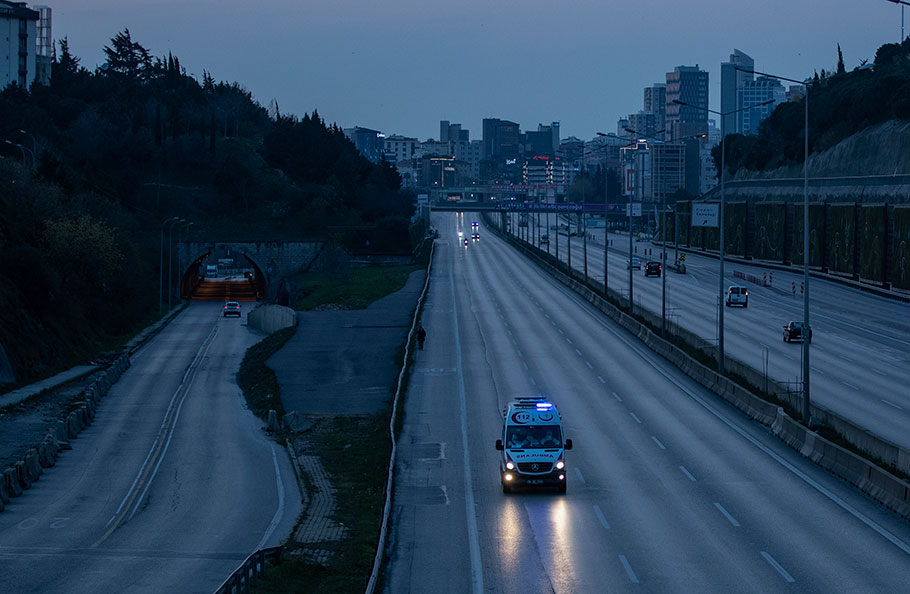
(400, 66)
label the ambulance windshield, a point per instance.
(530, 437)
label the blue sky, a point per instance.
(400, 66)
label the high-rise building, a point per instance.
(23, 32)
(732, 79)
(444, 130)
(500, 139)
(752, 93)
(368, 142)
(688, 84)
(655, 101)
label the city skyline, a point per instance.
(399, 69)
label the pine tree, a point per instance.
(840, 61)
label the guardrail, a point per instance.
(245, 576)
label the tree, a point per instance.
(840, 61)
(127, 57)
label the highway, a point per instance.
(860, 349)
(170, 489)
(669, 489)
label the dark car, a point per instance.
(544, 239)
(652, 269)
(634, 263)
(794, 331)
(475, 236)
(232, 308)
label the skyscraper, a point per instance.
(731, 81)
(688, 84)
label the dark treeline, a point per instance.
(104, 157)
(841, 103)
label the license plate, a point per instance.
(535, 482)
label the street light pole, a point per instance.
(161, 263)
(170, 258)
(806, 411)
(902, 4)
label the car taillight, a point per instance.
(746, 292)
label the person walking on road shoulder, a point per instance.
(421, 337)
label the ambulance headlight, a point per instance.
(560, 465)
(508, 476)
(510, 466)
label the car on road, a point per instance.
(794, 331)
(231, 308)
(737, 295)
(544, 239)
(634, 263)
(475, 236)
(474, 224)
(652, 269)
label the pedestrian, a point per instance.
(421, 336)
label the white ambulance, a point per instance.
(533, 445)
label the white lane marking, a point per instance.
(509, 331)
(849, 385)
(553, 322)
(778, 567)
(546, 315)
(519, 353)
(892, 404)
(578, 353)
(657, 441)
(791, 357)
(650, 358)
(637, 420)
(569, 340)
(726, 514)
(588, 363)
(687, 473)
(602, 380)
(533, 383)
(578, 473)
(470, 511)
(276, 519)
(846, 358)
(625, 563)
(818, 371)
(601, 517)
(525, 365)
(560, 331)
(617, 396)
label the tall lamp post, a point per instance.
(170, 259)
(179, 259)
(902, 5)
(723, 171)
(161, 261)
(807, 417)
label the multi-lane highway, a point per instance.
(860, 349)
(669, 489)
(169, 490)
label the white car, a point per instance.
(737, 295)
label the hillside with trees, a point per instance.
(841, 104)
(104, 157)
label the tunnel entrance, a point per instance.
(223, 277)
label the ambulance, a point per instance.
(533, 445)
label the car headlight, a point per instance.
(507, 476)
(560, 465)
(510, 466)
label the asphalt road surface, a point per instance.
(860, 348)
(669, 489)
(170, 489)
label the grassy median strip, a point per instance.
(355, 454)
(257, 380)
(355, 289)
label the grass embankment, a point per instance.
(354, 451)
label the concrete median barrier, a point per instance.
(32, 465)
(22, 476)
(11, 480)
(4, 489)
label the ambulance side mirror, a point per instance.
(499, 445)
(568, 444)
